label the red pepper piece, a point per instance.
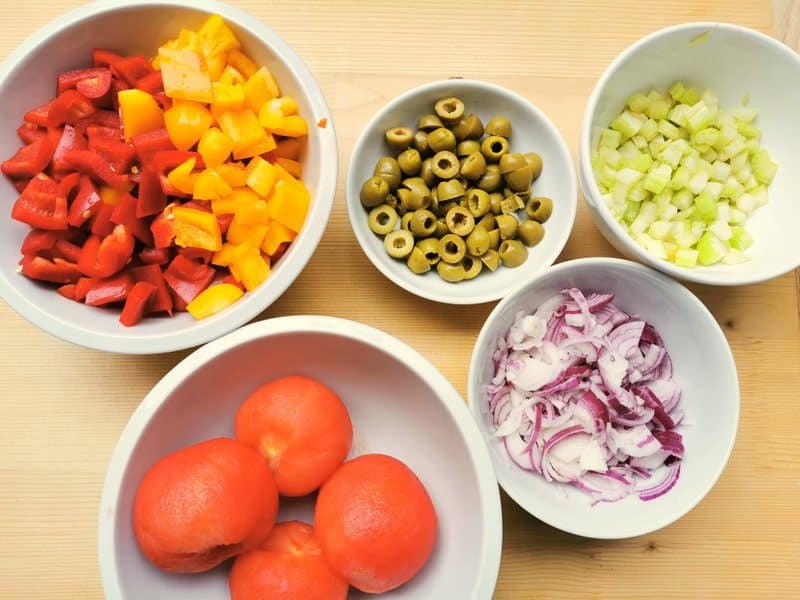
(29, 160)
(68, 140)
(40, 205)
(148, 144)
(68, 291)
(105, 118)
(166, 160)
(70, 107)
(69, 80)
(163, 231)
(117, 85)
(69, 186)
(132, 68)
(164, 101)
(86, 203)
(68, 251)
(101, 223)
(95, 166)
(125, 214)
(187, 278)
(136, 303)
(104, 257)
(110, 289)
(102, 132)
(118, 154)
(152, 199)
(224, 222)
(21, 184)
(198, 254)
(38, 116)
(40, 241)
(29, 133)
(97, 86)
(161, 300)
(82, 288)
(152, 83)
(55, 271)
(155, 256)
(104, 58)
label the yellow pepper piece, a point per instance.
(215, 64)
(232, 75)
(196, 229)
(181, 177)
(289, 148)
(241, 233)
(184, 76)
(214, 36)
(140, 113)
(268, 144)
(113, 196)
(249, 267)
(209, 185)
(213, 299)
(242, 63)
(261, 176)
(186, 123)
(215, 147)
(234, 174)
(228, 96)
(187, 40)
(224, 256)
(291, 126)
(289, 203)
(277, 234)
(292, 166)
(243, 128)
(231, 203)
(253, 213)
(261, 87)
(285, 105)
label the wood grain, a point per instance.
(62, 407)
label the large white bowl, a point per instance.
(400, 405)
(733, 62)
(703, 366)
(27, 78)
(532, 132)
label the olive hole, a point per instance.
(496, 147)
(383, 218)
(451, 248)
(430, 256)
(427, 223)
(443, 163)
(535, 204)
(467, 263)
(450, 107)
(399, 243)
(459, 219)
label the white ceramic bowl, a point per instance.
(733, 62)
(400, 405)
(141, 27)
(532, 132)
(703, 367)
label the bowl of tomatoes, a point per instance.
(168, 171)
(315, 446)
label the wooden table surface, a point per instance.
(62, 407)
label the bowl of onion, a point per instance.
(608, 397)
(685, 164)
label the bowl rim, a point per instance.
(355, 210)
(524, 500)
(126, 341)
(588, 181)
(492, 530)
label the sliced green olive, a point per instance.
(441, 139)
(500, 126)
(423, 223)
(519, 179)
(472, 266)
(511, 204)
(429, 122)
(421, 143)
(460, 221)
(467, 147)
(478, 241)
(405, 222)
(382, 219)
(452, 248)
(539, 208)
(388, 168)
(468, 127)
(430, 250)
(426, 172)
(411, 200)
(473, 166)
(374, 191)
(496, 203)
(399, 138)
(511, 161)
(449, 190)
(494, 147)
(488, 222)
(452, 273)
(530, 232)
(444, 164)
(478, 202)
(410, 161)
(399, 244)
(512, 253)
(494, 239)
(491, 259)
(491, 180)
(441, 228)
(536, 164)
(450, 110)
(508, 225)
(417, 263)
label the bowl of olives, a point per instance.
(459, 191)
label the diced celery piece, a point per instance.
(642, 162)
(627, 124)
(631, 212)
(680, 179)
(711, 249)
(705, 166)
(705, 137)
(607, 177)
(657, 178)
(668, 130)
(610, 156)
(683, 198)
(609, 139)
(739, 162)
(710, 155)
(683, 235)
(649, 130)
(659, 229)
(677, 90)
(752, 145)
(697, 228)
(750, 184)
(678, 114)
(727, 133)
(628, 176)
(653, 246)
(720, 170)
(746, 203)
(619, 192)
(662, 200)
(699, 116)
(698, 182)
(748, 130)
(686, 257)
(659, 109)
(669, 212)
(735, 147)
(736, 216)
(731, 188)
(705, 207)
(709, 98)
(638, 102)
(639, 142)
(723, 211)
(760, 195)
(740, 238)
(628, 150)
(691, 161)
(637, 193)
(745, 114)
(735, 257)
(763, 167)
(689, 96)
(657, 144)
(744, 174)
(721, 229)
(671, 154)
(724, 119)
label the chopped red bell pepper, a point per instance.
(282, 248)
(67, 250)
(21, 184)
(69, 80)
(163, 229)
(152, 83)
(103, 257)
(55, 271)
(102, 132)
(29, 133)
(136, 303)
(164, 101)
(70, 107)
(152, 199)
(39, 241)
(40, 205)
(125, 214)
(68, 140)
(199, 254)
(101, 222)
(38, 116)
(95, 166)
(155, 256)
(117, 153)
(233, 281)
(104, 58)
(148, 144)
(104, 118)
(224, 222)
(68, 291)
(164, 161)
(132, 68)
(96, 87)
(187, 278)
(29, 160)
(86, 203)
(82, 287)
(161, 300)
(109, 289)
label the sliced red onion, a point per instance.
(582, 394)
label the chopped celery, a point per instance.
(628, 150)
(705, 207)
(638, 102)
(659, 230)
(683, 198)
(760, 194)
(657, 144)
(668, 130)
(705, 137)
(763, 167)
(659, 109)
(677, 89)
(671, 154)
(699, 116)
(686, 257)
(740, 239)
(748, 130)
(649, 130)
(639, 142)
(657, 178)
(746, 203)
(714, 188)
(631, 211)
(642, 162)
(735, 147)
(669, 212)
(698, 182)
(678, 114)
(736, 216)
(711, 249)
(689, 96)
(744, 175)
(680, 179)
(723, 211)
(721, 229)
(720, 171)
(627, 124)
(731, 188)
(710, 155)
(746, 114)
(637, 193)
(610, 156)
(609, 139)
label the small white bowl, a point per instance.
(27, 79)
(733, 62)
(703, 367)
(532, 131)
(399, 404)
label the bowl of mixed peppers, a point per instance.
(152, 185)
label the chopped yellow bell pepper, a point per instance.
(242, 63)
(234, 174)
(187, 40)
(232, 75)
(214, 36)
(215, 65)
(291, 126)
(242, 127)
(182, 178)
(196, 228)
(230, 203)
(113, 196)
(289, 148)
(215, 147)
(249, 267)
(184, 76)
(260, 87)
(186, 123)
(289, 203)
(253, 213)
(292, 166)
(140, 113)
(240, 233)
(213, 299)
(267, 144)
(261, 176)
(210, 185)
(277, 234)
(228, 96)
(224, 256)
(285, 105)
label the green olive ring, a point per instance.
(449, 110)
(399, 243)
(472, 266)
(445, 164)
(430, 250)
(410, 161)
(512, 253)
(460, 221)
(494, 147)
(405, 222)
(452, 248)
(417, 263)
(451, 273)
(539, 208)
(399, 138)
(382, 219)
(478, 202)
(423, 223)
